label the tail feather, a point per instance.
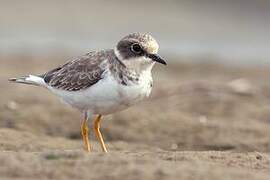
(30, 79)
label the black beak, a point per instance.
(156, 58)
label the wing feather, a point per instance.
(77, 74)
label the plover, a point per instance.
(103, 82)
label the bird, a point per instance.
(103, 82)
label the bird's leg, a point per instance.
(98, 133)
(85, 133)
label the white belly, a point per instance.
(107, 95)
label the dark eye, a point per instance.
(136, 48)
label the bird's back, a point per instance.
(80, 73)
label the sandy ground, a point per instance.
(203, 121)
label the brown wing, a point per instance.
(78, 74)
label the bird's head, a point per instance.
(138, 50)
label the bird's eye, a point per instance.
(136, 48)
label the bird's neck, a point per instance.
(127, 73)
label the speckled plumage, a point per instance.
(85, 71)
(77, 74)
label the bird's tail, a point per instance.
(30, 79)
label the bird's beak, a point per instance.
(156, 58)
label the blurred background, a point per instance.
(234, 30)
(214, 95)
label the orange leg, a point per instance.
(85, 134)
(98, 133)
